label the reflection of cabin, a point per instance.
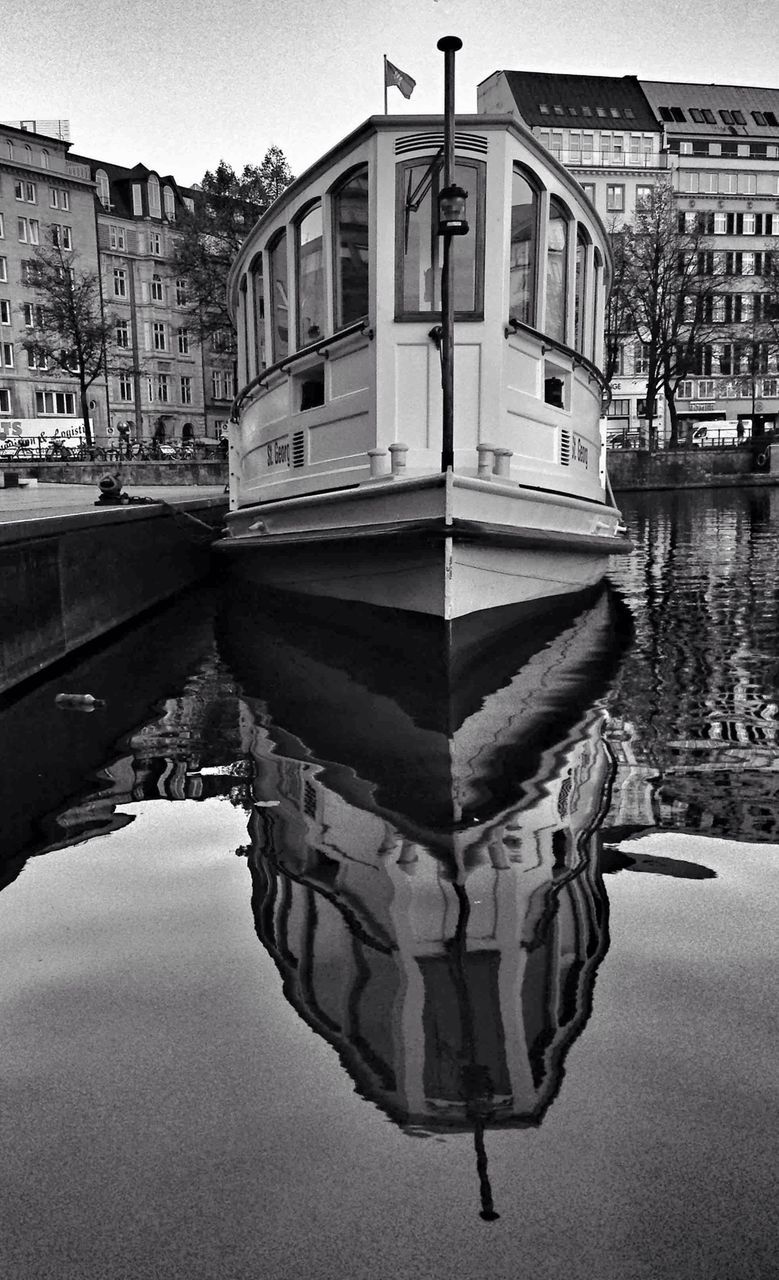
(364, 922)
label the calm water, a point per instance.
(309, 969)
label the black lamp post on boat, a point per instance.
(451, 222)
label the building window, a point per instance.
(62, 403)
(155, 244)
(7, 354)
(183, 341)
(186, 390)
(33, 315)
(169, 202)
(222, 384)
(523, 249)
(26, 191)
(619, 409)
(29, 230)
(615, 197)
(5, 311)
(746, 184)
(159, 337)
(643, 194)
(181, 293)
(103, 188)
(350, 238)
(122, 333)
(137, 199)
(62, 237)
(640, 359)
(556, 274)
(120, 282)
(5, 400)
(720, 224)
(37, 359)
(59, 198)
(748, 227)
(154, 197)
(3, 268)
(418, 247)
(116, 237)
(163, 387)
(589, 190)
(125, 386)
(2, 228)
(155, 289)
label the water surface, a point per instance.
(308, 969)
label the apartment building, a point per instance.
(722, 143)
(42, 188)
(121, 224)
(161, 380)
(719, 146)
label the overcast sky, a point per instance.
(181, 86)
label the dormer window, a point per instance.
(169, 203)
(103, 188)
(155, 208)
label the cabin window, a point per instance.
(580, 295)
(597, 263)
(524, 241)
(350, 222)
(258, 296)
(311, 283)
(556, 281)
(279, 285)
(420, 248)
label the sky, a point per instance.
(181, 86)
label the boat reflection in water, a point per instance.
(424, 861)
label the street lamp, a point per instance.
(451, 211)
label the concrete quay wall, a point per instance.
(69, 579)
(147, 474)
(631, 469)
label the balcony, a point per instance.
(74, 170)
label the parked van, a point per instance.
(720, 431)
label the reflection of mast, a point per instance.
(477, 1084)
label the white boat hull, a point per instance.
(447, 546)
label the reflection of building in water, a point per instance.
(451, 987)
(696, 710)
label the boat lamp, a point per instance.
(452, 211)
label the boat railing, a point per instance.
(552, 344)
(321, 346)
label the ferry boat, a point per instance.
(346, 481)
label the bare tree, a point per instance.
(227, 204)
(671, 277)
(67, 329)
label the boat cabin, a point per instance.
(336, 297)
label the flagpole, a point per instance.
(385, 84)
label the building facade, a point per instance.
(161, 380)
(43, 190)
(718, 145)
(120, 224)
